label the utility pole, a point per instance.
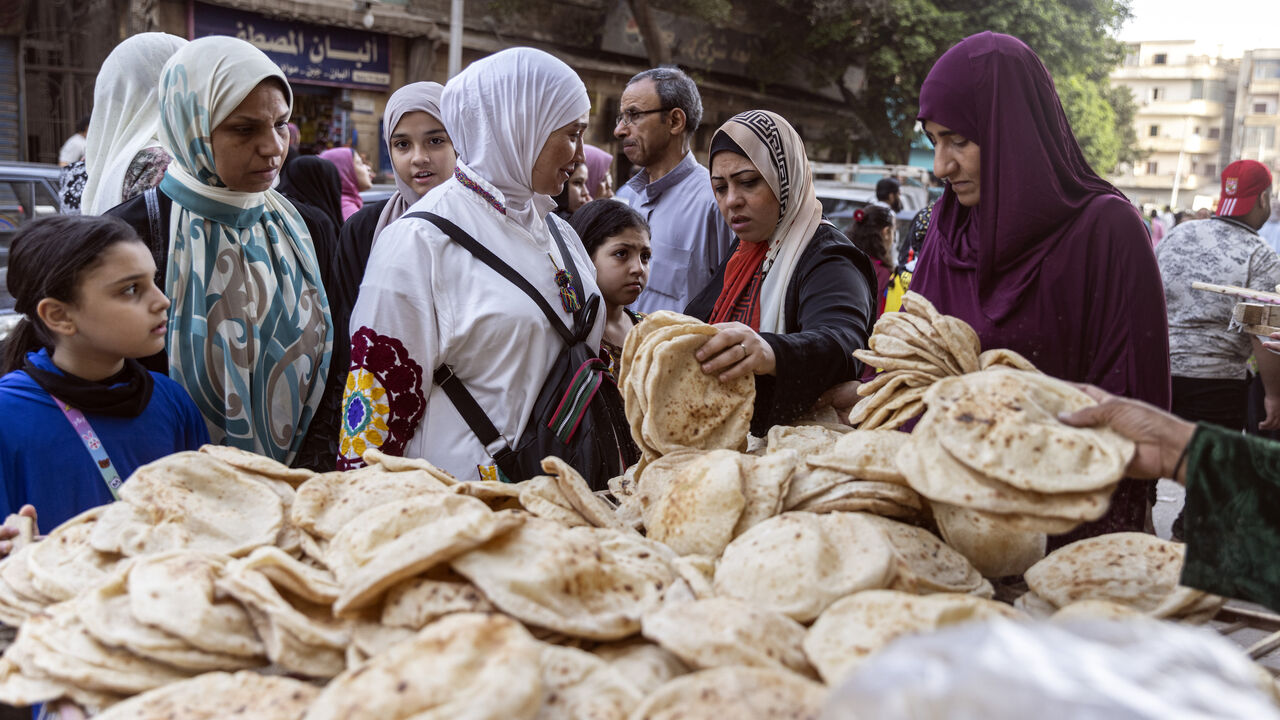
(455, 38)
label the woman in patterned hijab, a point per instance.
(795, 298)
(250, 333)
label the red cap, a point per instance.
(1242, 182)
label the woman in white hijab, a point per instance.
(516, 119)
(249, 333)
(795, 298)
(122, 154)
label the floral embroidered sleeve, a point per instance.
(394, 347)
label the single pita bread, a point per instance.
(741, 693)
(586, 582)
(857, 626)
(962, 342)
(260, 465)
(1002, 357)
(395, 541)
(396, 464)
(1004, 424)
(892, 381)
(465, 665)
(876, 498)
(542, 497)
(808, 483)
(688, 408)
(580, 685)
(189, 500)
(575, 489)
(218, 695)
(717, 632)
(916, 304)
(1095, 610)
(420, 601)
(697, 511)
(327, 502)
(866, 455)
(176, 593)
(765, 485)
(887, 364)
(925, 564)
(1133, 569)
(645, 665)
(993, 549)
(806, 440)
(798, 563)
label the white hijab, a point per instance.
(499, 113)
(777, 151)
(126, 115)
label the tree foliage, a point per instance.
(895, 43)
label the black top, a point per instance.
(316, 182)
(319, 450)
(829, 312)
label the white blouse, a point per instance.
(427, 301)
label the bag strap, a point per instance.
(567, 258)
(486, 256)
(474, 416)
(93, 444)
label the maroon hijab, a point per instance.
(994, 90)
(1053, 262)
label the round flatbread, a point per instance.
(741, 693)
(720, 631)
(218, 695)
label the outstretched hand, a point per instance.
(1160, 437)
(9, 532)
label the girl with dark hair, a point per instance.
(617, 238)
(575, 193)
(873, 233)
(78, 413)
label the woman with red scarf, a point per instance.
(795, 298)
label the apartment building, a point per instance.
(1185, 94)
(1257, 114)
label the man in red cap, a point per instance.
(1207, 356)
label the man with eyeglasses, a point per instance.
(660, 110)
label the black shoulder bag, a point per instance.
(578, 414)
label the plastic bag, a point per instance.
(1102, 670)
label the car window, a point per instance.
(20, 201)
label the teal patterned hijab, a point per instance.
(250, 335)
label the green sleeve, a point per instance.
(1231, 521)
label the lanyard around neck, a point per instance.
(93, 444)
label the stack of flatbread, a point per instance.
(1113, 575)
(991, 443)
(670, 403)
(913, 349)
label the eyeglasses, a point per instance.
(630, 116)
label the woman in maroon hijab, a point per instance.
(1033, 249)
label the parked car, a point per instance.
(378, 193)
(27, 191)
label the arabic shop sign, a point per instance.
(306, 53)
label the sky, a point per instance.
(1237, 25)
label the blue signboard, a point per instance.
(306, 53)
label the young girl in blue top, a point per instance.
(78, 414)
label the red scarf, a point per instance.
(739, 299)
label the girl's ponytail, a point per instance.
(47, 258)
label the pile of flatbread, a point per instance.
(670, 402)
(991, 445)
(1116, 575)
(914, 348)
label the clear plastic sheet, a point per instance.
(1095, 669)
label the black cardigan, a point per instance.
(829, 312)
(319, 449)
